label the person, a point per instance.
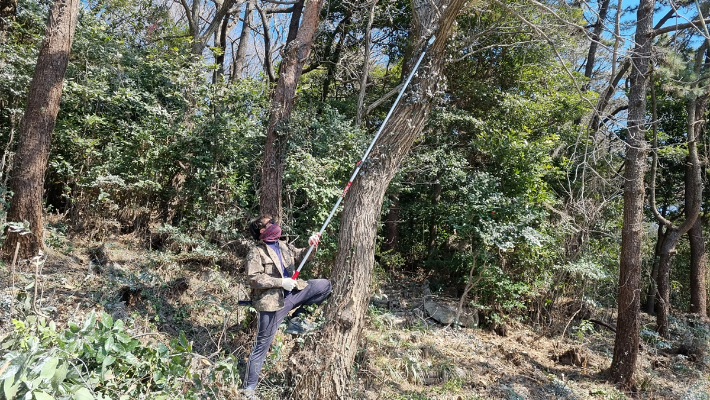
(270, 266)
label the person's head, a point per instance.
(259, 225)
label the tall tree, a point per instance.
(36, 130)
(626, 343)
(693, 192)
(295, 54)
(237, 67)
(327, 357)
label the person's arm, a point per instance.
(257, 275)
(298, 253)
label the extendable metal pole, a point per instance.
(364, 157)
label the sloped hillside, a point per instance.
(195, 288)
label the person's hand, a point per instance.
(288, 284)
(314, 239)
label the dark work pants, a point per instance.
(316, 291)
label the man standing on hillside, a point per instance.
(270, 266)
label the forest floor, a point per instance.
(403, 353)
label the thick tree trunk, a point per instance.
(626, 343)
(36, 129)
(698, 270)
(240, 56)
(295, 55)
(325, 360)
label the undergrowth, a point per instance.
(99, 360)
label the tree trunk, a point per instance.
(239, 58)
(664, 286)
(365, 66)
(698, 269)
(221, 44)
(8, 10)
(650, 306)
(596, 36)
(326, 358)
(195, 21)
(295, 22)
(694, 193)
(433, 218)
(295, 55)
(392, 225)
(626, 343)
(335, 58)
(36, 129)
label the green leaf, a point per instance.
(42, 396)
(109, 345)
(107, 320)
(83, 394)
(9, 389)
(89, 322)
(60, 375)
(49, 368)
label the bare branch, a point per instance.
(268, 65)
(692, 24)
(277, 10)
(384, 98)
(281, 2)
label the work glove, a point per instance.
(314, 239)
(288, 284)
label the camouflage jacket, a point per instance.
(264, 274)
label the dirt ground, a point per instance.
(403, 354)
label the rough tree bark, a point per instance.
(698, 269)
(295, 55)
(326, 358)
(365, 66)
(626, 343)
(36, 129)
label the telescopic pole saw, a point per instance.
(364, 157)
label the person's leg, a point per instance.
(316, 291)
(268, 325)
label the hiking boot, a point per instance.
(297, 326)
(250, 394)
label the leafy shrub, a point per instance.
(101, 360)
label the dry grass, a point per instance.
(403, 355)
